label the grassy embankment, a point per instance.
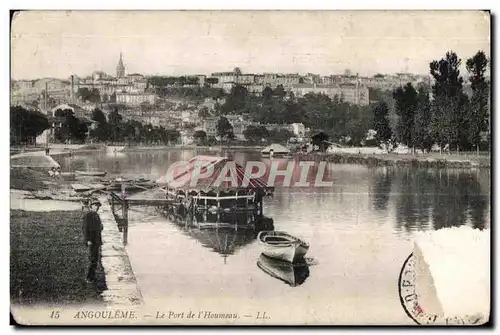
(49, 260)
(28, 179)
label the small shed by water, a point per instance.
(214, 184)
(276, 149)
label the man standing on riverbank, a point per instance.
(92, 228)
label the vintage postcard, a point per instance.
(250, 167)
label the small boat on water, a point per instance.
(290, 273)
(95, 173)
(130, 184)
(114, 148)
(275, 150)
(280, 245)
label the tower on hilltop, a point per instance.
(120, 68)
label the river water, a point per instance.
(359, 230)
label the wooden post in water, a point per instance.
(124, 214)
(125, 222)
(260, 200)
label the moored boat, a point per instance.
(280, 245)
(95, 173)
(130, 184)
(275, 150)
(290, 273)
(114, 148)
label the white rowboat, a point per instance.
(280, 245)
(114, 148)
(91, 173)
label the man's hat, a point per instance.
(95, 202)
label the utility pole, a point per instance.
(47, 114)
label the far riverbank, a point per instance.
(421, 161)
(431, 160)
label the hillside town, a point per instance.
(148, 99)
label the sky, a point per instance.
(60, 43)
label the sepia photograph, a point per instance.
(250, 167)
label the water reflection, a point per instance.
(294, 274)
(416, 198)
(382, 183)
(439, 199)
(226, 236)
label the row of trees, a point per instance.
(316, 111)
(90, 95)
(254, 134)
(445, 115)
(161, 81)
(69, 128)
(115, 129)
(26, 125)
(195, 93)
(174, 87)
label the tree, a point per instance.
(91, 95)
(422, 135)
(81, 131)
(449, 109)
(26, 125)
(172, 135)
(256, 133)
(381, 122)
(212, 81)
(406, 106)
(237, 101)
(200, 135)
(280, 135)
(98, 115)
(267, 94)
(225, 128)
(71, 128)
(101, 132)
(478, 112)
(115, 124)
(204, 113)
(279, 92)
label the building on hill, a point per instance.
(298, 129)
(135, 98)
(353, 94)
(224, 77)
(201, 79)
(27, 91)
(210, 125)
(120, 68)
(255, 89)
(135, 77)
(78, 111)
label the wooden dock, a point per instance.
(125, 203)
(209, 211)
